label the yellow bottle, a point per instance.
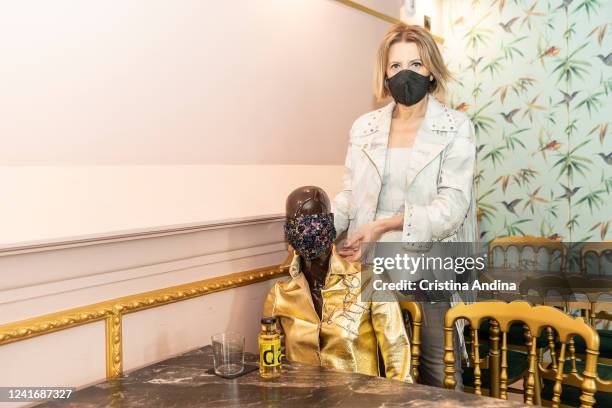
(269, 348)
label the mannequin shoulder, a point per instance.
(281, 285)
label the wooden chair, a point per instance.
(416, 320)
(600, 249)
(536, 318)
(520, 243)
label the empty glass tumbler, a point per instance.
(228, 353)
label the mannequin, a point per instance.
(309, 200)
(326, 309)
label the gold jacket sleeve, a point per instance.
(392, 339)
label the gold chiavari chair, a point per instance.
(536, 318)
(551, 290)
(414, 327)
(536, 244)
(594, 288)
(565, 293)
(519, 335)
(599, 249)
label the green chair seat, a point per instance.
(605, 344)
(604, 371)
(517, 364)
(571, 395)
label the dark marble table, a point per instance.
(183, 382)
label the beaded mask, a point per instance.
(311, 235)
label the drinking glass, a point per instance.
(228, 353)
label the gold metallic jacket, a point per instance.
(353, 325)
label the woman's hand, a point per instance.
(367, 233)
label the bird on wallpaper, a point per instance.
(565, 4)
(569, 193)
(552, 145)
(462, 107)
(567, 98)
(459, 21)
(606, 157)
(555, 237)
(508, 25)
(607, 59)
(549, 52)
(510, 115)
(510, 206)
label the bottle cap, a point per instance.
(268, 320)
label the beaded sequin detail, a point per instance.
(310, 235)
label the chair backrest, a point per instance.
(536, 318)
(593, 288)
(536, 244)
(599, 249)
(415, 338)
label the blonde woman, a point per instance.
(409, 170)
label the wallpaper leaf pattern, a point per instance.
(535, 78)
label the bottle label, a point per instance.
(270, 352)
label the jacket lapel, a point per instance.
(431, 139)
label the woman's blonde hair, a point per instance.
(430, 55)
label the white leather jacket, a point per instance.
(440, 202)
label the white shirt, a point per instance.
(392, 192)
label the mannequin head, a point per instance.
(307, 200)
(309, 228)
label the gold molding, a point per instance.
(382, 16)
(112, 311)
(114, 345)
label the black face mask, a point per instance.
(408, 87)
(311, 235)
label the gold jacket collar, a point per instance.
(337, 265)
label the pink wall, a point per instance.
(183, 82)
(270, 85)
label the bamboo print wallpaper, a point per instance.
(535, 77)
